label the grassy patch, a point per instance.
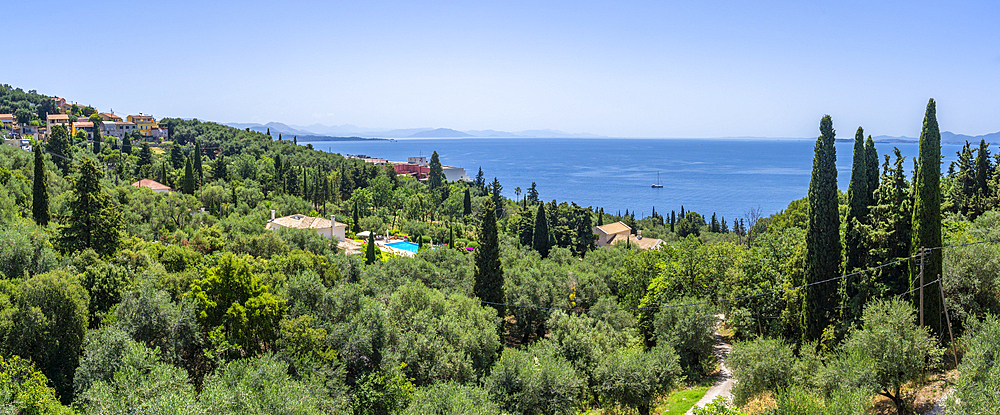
(680, 401)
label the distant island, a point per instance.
(340, 132)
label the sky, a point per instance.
(620, 69)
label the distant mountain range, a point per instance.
(347, 130)
(947, 137)
(353, 130)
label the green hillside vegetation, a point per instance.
(115, 299)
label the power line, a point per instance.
(747, 296)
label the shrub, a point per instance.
(451, 398)
(689, 330)
(760, 365)
(634, 378)
(526, 383)
(978, 387)
(24, 390)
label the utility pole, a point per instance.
(921, 286)
(947, 319)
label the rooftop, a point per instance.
(151, 184)
(613, 228)
(304, 222)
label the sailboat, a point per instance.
(657, 185)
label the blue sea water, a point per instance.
(725, 176)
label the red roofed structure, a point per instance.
(152, 185)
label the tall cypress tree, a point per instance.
(673, 220)
(822, 236)
(540, 237)
(927, 216)
(983, 169)
(126, 144)
(145, 155)
(187, 186)
(489, 271)
(434, 176)
(855, 249)
(495, 189)
(96, 143)
(60, 148)
(199, 172)
(40, 189)
(370, 256)
(871, 157)
(467, 203)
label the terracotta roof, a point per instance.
(644, 243)
(151, 184)
(613, 228)
(303, 222)
(6, 116)
(83, 124)
(57, 117)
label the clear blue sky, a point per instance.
(636, 69)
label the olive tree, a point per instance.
(634, 378)
(978, 388)
(888, 351)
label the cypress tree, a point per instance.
(489, 271)
(871, 157)
(145, 155)
(96, 147)
(540, 237)
(59, 146)
(714, 227)
(467, 203)
(495, 189)
(682, 212)
(188, 185)
(219, 171)
(584, 231)
(370, 256)
(40, 189)
(673, 220)
(451, 237)
(983, 169)
(126, 144)
(855, 249)
(600, 218)
(434, 176)
(822, 236)
(927, 216)
(199, 171)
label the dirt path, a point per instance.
(724, 384)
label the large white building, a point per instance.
(454, 174)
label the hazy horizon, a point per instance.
(633, 69)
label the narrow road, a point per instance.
(724, 384)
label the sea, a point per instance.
(728, 177)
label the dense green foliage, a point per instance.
(927, 216)
(822, 235)
(131, 301)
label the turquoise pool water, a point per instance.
(404, 245)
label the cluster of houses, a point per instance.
(111, 125)
(417, 167)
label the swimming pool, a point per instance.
(404, 245)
